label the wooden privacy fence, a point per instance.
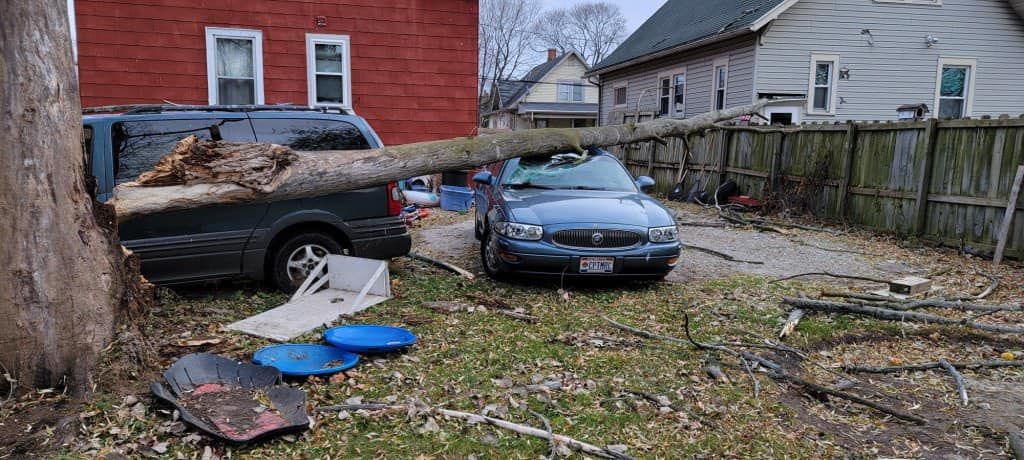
(943, 180)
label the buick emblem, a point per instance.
(597, 238)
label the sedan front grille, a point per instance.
(596, 238)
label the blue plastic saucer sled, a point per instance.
(305, 359)
(369, 339)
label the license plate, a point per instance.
(596, 264)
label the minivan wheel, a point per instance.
(489, 257)
(298, 256)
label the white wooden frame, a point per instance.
(972, 65)
(212, 34)
(671, 75)
(832, 79)
(346, 77)
(720, 62)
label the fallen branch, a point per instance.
(932, 365)
(961, 387)
(552, 446)
(517, 315)
(833, 275)
(777, 372)
(991, 287)
(445, 265)
(678, 341)
(848, 251)
(896, 315)
(746, 223)
(702, 224)
(791, 322)
(904, 304)
(721, 254)
(714, 370)
(572, 443)
(753, 378)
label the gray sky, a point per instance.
(636, 11)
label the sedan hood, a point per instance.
(551, 207)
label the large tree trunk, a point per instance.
(208, 172)
(63, 282)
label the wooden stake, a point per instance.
(1011, 209)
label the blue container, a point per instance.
(305, 359)
(454, 198)
(368, 338)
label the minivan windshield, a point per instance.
(568, 171)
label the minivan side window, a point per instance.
(138, 145)
(310, 134)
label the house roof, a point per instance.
(509, 91)
(558, 107)
(682, 22)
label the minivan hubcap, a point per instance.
(303, 260)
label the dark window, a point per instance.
(620, 95)
(781, 119)
(138, 145)
(666, 90)
(310, 134)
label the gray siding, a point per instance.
(698, 64)
(899, 68)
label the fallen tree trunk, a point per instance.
(203, 173)
(896, 315)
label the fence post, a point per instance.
(773, 172)
(723, 155)
(849, 148)
(924, 180)
(651, 149)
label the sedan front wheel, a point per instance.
(490, 257)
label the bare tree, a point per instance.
(65, 283)
(506, 39)
(591, 29)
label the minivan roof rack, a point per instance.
(159, 108)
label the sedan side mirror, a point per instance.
(483, 178)
(645, 183)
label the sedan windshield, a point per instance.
(569, 171)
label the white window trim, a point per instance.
(572, 84)
(671, 75)
(615, 89)
(833, 80)
(792, 110)
(913, 2)
(346, 78)
(720, 62)
(212, 34)
(969, 94)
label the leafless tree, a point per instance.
(506, 39)
(591, 29)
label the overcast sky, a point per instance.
(636, 11)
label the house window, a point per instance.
(822, 89)
(721, 80)
(328, 70)
(679, 94)
(665, 96)
(954, 87)
(570, 91)
(234, 66)
(620, 95)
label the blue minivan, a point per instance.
(280, 241)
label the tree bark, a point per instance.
(202, 173)
(63, 283)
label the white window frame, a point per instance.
(615, 89)
(833, 83)
(671, 74)
(573, 85)
(972, 65)
(346, 77)
(913, 2)
(212, 34)
(794, 111)
(719, 62)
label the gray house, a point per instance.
(844, 59)
(553, 94)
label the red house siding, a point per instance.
(414, 62)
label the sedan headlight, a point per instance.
(519, 231)
(663, 234)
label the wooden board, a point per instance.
(1011, 209)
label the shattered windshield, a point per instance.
(569, 171)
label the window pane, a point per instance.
(330, 89)
(234, 57)
(563, 92)
(663, 108)
(329, 58)
(577, 93)
(138, 145)
(953, 81)
(620, 95)
(234, 91)
(310, 134)
(720, 73)
(951, 108)
(821, 98)
(680, 92)
(822, 73)
(720, 99)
